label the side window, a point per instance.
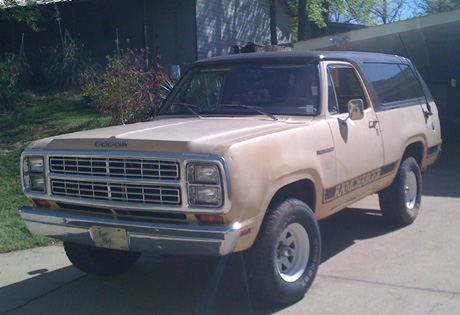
(332, 98)
(414, 82)
(346, 86)
(393, 83)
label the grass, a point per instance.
(40, 117)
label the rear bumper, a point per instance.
(156, 238)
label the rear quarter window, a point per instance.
(395, 84)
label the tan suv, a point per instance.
(246, 154)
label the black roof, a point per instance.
(351, 56)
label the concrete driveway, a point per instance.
(368, 267)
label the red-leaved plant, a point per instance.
(128, 91)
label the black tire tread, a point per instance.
(268, 290)
(391, 199)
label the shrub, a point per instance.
(127, 90)
(166, 86)
(14, 73)
(66, 65)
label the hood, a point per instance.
(170, 135)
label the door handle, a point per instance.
(373, 124)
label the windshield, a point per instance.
(277, 89)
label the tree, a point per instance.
(365, 12)
(387, 11)
(301, 11)
(425, 7)
(30, 14)
(302, 16)
(352, 11)
(368, 12)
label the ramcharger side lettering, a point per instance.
(355, 183)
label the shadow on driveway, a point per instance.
(343, 229)
(175, 285)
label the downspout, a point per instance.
(273, 33)
(302, 20)
(146, 50)
(196, 29)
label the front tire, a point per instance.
(285, 257)
(400, 202)
(100, 261)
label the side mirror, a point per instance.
(355, 111)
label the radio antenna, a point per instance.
(428, 106)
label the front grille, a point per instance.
(154, 169)
(148, 194)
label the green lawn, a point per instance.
(42, 116)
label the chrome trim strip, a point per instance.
(324, 151)
(143, 236)
(123, 180)
(432, 150)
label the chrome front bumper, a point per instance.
(149, 237)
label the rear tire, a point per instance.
(285, 257)
(400, 202)
(100, 261)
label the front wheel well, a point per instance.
(303, 190)
(416, 151)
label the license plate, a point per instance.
(108, 237)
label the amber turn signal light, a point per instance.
(209, 219)
(42, 203)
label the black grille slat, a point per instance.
(118, 192)
(116, 167)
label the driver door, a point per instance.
(358, 143)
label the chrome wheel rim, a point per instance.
(410, 190)
(292, 252)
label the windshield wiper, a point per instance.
(253, 108)
(189, 107)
